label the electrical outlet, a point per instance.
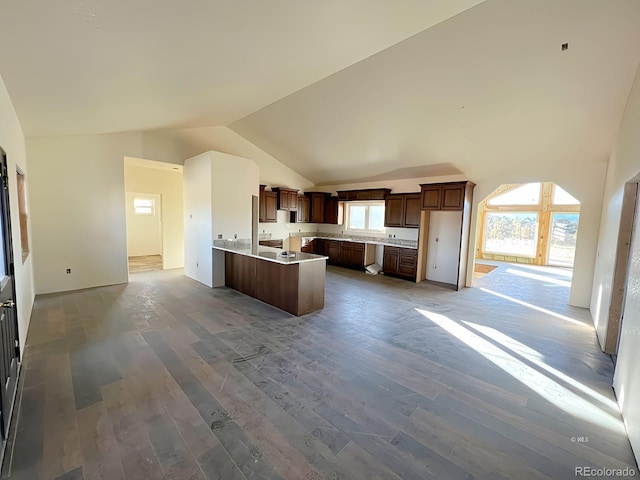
(235, 235)
(68, 271)
(219, 236)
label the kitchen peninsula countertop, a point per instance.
(269, 253)
(360, 240)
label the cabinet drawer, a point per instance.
(391, 250)
(409, 260)
(407, 270)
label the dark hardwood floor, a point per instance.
(165, 378)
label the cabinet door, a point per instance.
(331, 210)
(394, 211)
(293, 201)
(333, 251)
(271, 207)
(262, 209)
(412, 208)
(317, 209)
(453, 197)
(303, 209)
(431, 198)
(283, 198)
(352, 254)
(390, 262)
(320, 246)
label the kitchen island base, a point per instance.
(297, 288)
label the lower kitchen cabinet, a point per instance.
(333, 250)
(400, 262)
(352, 255)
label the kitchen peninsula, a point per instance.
(293, 282)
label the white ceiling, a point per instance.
(89, 66)
(488, 89)
(340, 91)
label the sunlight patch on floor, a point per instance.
(538, 382)
(543, 278)
(535, 307)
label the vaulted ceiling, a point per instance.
(337, 90)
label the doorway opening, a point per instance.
(154, 214)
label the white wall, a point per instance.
(77, 196)
(197, 219)
(624, 165)
(627, 377)
(218, 192)
(167, 183)
(12, 142)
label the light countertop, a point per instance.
(271, 254)
(362, 240)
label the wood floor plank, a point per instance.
(100, 459)
(61, 451)
(167, 378)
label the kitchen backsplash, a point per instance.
(391, 241)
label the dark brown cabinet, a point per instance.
(287, 198)
(412, 210)
(268, 211)
(304, 203)
(400, 262)
(394, 210)
(366, 194)
(352, 255)
(317, 200)
(333, 250)
(453, 197)
(443, 196)
(402, 210)
(331, 208)
(271, 207)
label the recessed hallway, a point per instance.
(166, 378)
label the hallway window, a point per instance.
(144, 206)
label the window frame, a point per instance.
(151, 213)
(512, 254)
(367, 204)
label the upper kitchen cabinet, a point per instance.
(366, 194)
(333, 211)
(443, 196)
(287, 198)
(317, 200)
(268, 212)
(304, 204)
(216, 205)
(402, 210)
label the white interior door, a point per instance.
(443, 250)
(144, 224)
